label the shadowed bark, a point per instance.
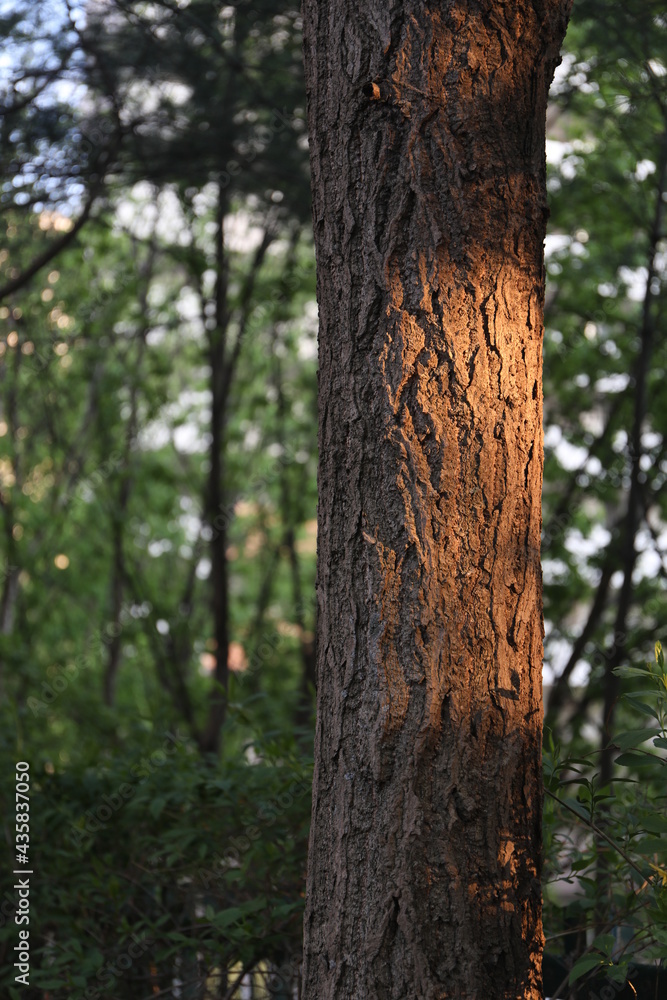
(427, 126)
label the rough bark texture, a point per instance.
(427, 126)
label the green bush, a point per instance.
(160, 866)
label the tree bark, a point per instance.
(427, 129)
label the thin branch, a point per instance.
(633, 512)
(47, 76)
(600, 833)
(244, 312)
(239, 979)
(558, 691)
(45, 258)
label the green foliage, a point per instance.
(604, 502)
(618, 832)
(105, 450)
(605, 358)
(156, 855)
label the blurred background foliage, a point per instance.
(158, 457)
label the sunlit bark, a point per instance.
(427, 142)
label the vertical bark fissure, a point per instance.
(427, 151)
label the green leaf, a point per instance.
(653, 845)
(631, 672)
(641, 706)
(583, 966)
(605, 943)
(284, 909)
(156, 806)
(227, 917)
(635, 759)
(654, 823)
(633, 738)
(578, 808)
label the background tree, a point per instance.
(605, 340)
(603, 499)
(48, 161)
(115, 353)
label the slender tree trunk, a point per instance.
(427, 126)
(633, 517)
(119, 508)
(633, 514)
(289, 517)
(215, 501)
(112, 665)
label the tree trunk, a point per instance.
(427, 127)
(216, 494)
